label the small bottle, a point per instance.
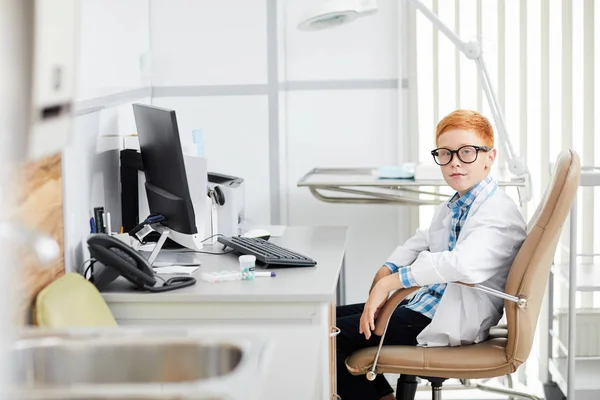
(198, 139)
(247, 264)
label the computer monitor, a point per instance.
(165, 170)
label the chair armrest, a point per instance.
(521, 301)
(396, 298)
(390, 305)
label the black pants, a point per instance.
(403, 329)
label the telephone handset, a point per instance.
(120, 259)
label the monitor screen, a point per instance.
(162, 157)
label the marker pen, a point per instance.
(264, 274)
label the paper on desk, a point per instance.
(175, 269)
(160, 264)
(166, 258)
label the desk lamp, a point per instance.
(331, 13)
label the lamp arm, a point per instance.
(472, 50)
(439, 24)
(515, 165)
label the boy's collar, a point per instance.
(467, 199)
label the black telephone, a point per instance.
(120, 259)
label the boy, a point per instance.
(472, 238)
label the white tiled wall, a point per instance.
(235, 132)
(341, 128)
(113, 47)
(204, 42)
(91, 177)
(344, 129)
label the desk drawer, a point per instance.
(216, 312)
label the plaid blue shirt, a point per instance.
(426, 299)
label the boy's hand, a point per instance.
(381, 273)
(376, 299)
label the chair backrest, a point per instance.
(71, 302)
(530, 270)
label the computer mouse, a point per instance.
(258, 233)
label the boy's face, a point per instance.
(461, 176)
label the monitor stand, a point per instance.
(159, 244)
(190, 241)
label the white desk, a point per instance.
(298, 297)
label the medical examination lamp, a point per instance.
(331, 13)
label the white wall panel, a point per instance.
(91, 175)
(119, 120)
(364, 49)
(90, 179)
(235, 130)
(113, 47)
(344, 129)
(202, 42)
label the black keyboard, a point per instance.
(266, 252)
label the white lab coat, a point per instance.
(487, 244)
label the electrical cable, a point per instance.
(91, 266)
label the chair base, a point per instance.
(513, 394)
(407, 387)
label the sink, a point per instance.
(133, 364)
(61, 362)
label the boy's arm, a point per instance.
(382, 272)
(408, 252)
(404, 278)
(404, 254)
(481, 253)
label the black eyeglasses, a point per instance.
(467, 154)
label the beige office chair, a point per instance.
(506, 349)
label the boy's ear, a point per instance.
(491, 155)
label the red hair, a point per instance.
(467, 120)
